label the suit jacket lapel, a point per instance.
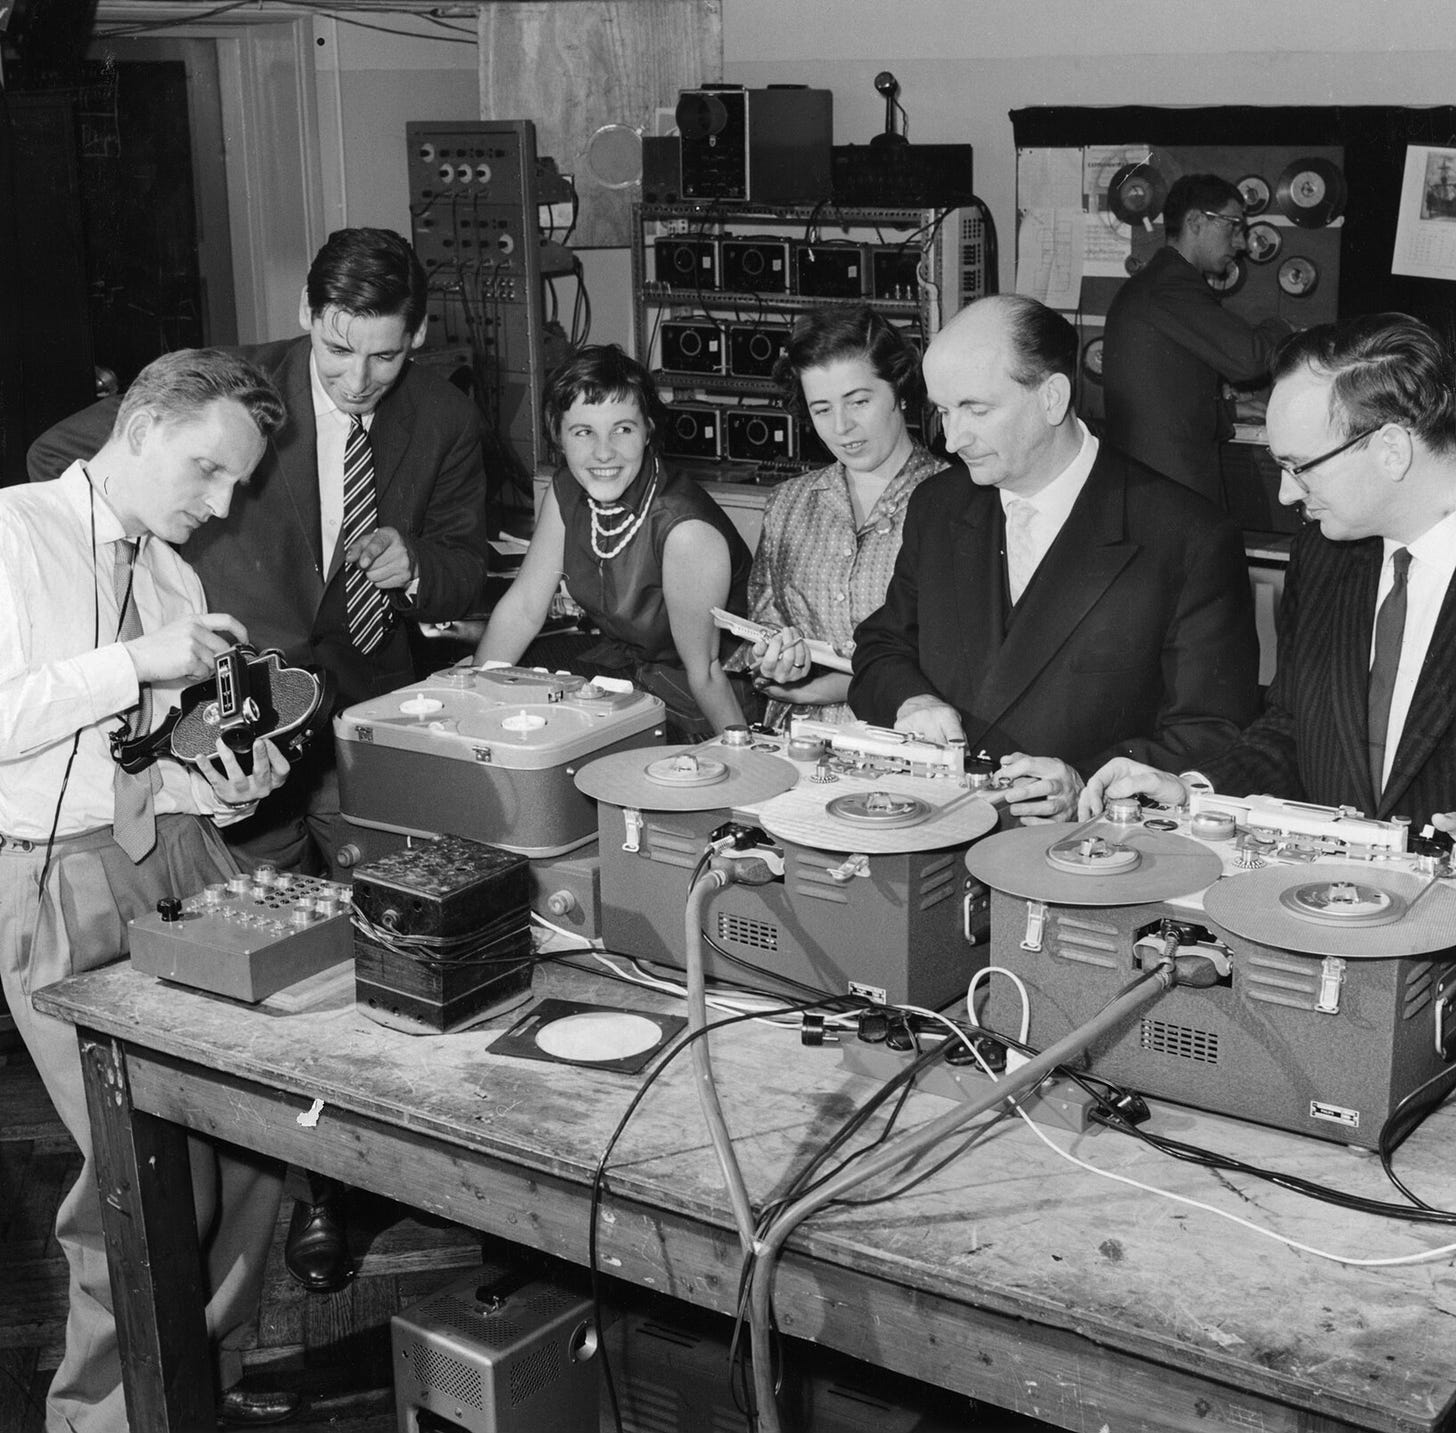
(389, 435)
(298, 455)
(1349, 627)
(978, 579)
(1432, 710)
(1080, 565)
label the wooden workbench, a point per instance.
(1008, 1275)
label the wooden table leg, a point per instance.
(157, 1285)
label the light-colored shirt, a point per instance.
(62, 669)
(817, 569)
(1055, 501)
(1433, 562)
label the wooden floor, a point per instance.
(335, 1348)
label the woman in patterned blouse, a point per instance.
(830, 537)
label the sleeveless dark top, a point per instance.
(623, 594)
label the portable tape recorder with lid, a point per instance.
(489, 753)
(1333, 939)
(870, 825)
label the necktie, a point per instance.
(1389, 631)
(134, 817)
(1020, 549)
(366, 605)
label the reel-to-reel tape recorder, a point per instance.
(870, 826)
(1332, 949)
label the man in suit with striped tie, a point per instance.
(316, 571)
(366, 513)
(1362, 710)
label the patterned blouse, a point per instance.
(816, 571)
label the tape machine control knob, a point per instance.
(169, 908)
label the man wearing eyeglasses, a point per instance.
(1362, 710)
(1170, 344)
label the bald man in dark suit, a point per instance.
(1120, 622)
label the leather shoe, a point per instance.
(316, 1252)
(257, 1405)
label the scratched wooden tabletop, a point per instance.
(1003, 1223)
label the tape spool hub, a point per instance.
(1092, 856)
(687, 768)
(879, 810)
(1342, 902)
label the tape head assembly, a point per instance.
(252, 694)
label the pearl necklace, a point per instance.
(624, 531)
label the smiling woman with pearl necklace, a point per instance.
(642, 549)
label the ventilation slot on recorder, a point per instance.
(1090, 942)
(758, 935)
(1180, 1041)
(1420, 983)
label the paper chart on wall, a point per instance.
(1425, 227)
(1049, 234)
(1049, 256)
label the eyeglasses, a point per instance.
(1236, 222)
(1298, 470)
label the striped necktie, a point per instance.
(367, 606)
(134, 816)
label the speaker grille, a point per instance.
(1180, 1041)
(530, 1375)
(493, 1333)
(448, 1375)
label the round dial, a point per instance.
(1092, 360)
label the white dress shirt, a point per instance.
(1433, 562)
(62, 670)
(1055, 501)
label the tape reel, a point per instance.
(686, 778)
(879, 816)
(1356, 910)
(1031, 863)
(1311, 193)
(1135, 194)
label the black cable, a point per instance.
(598, 1182)
(1394, 1129)
(1211, 1159)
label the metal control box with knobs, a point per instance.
(246, 937)
(478, 193)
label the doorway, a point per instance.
(154, 202)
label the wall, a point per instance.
(369, 86)
(963, 66)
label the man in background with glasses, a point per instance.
(1362, 710)
(1170, 344)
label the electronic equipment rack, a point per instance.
(715, 289)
